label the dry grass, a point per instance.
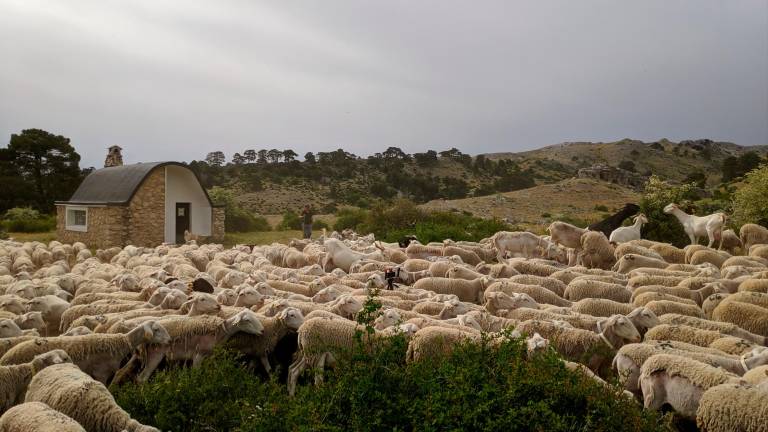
(43, 237)
(536, 207)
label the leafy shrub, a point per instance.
(477, 387)
(318, 224)
(661, 226)
(750, 202)
(236, 219)
(27, 219)
(291, 221)
(349, 217)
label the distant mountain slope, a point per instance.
(665, 158)
(336, 178)
(574, 199)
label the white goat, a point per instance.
(699, 226)
(627, 233)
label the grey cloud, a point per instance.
(176, 79)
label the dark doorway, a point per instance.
(182, 221)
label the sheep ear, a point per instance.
(148, 334)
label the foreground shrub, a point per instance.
(27, 219)
(750, 202)
(477, 387)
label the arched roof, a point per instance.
(117, 185)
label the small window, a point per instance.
(77, 219)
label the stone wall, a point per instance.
(217, 227)
(106, 227)
(146, 211)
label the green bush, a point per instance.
(477, 387)
(318, 224)
(236, 218)
(27, 219)
(349, 217)
(661, 226)
(291, 221)
(750, 202)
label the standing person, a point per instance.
(306, 221)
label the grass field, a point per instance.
(43, 237)
(230, 239)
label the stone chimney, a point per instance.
(114, 157)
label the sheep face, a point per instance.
(31, 320)
(643, 317)
(227, 297)
(247, 322)
(14, 306)
(50, 358)
(249, 297)
(157, 297)
(388, 318)
(292, 318)
(78, 331)
(349, 305)
(155, 333)
(9, 329)
(326, 295)
(536, 344)
(469, 321)
(623, 328)
(173, 300)
(202, 304)
(265, 289)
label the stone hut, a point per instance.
(143, 204)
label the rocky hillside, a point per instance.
(670, 160)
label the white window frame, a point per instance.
(70, 226)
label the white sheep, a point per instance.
(98, 354)
(37, 417)
(275, 328)
(14, 379)
(67, 389)
(469, 291)
(733, 407)
(679, 381)
(752, 234)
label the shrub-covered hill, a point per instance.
(271, 182)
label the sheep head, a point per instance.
(292, 318)
(154, 333)
(387, 318)
(248, 297)
(201, 304)
(245, 321)
(536, 344)
(50, 358)
(8, 329)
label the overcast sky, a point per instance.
(173, 80)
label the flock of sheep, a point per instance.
(685, 328)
